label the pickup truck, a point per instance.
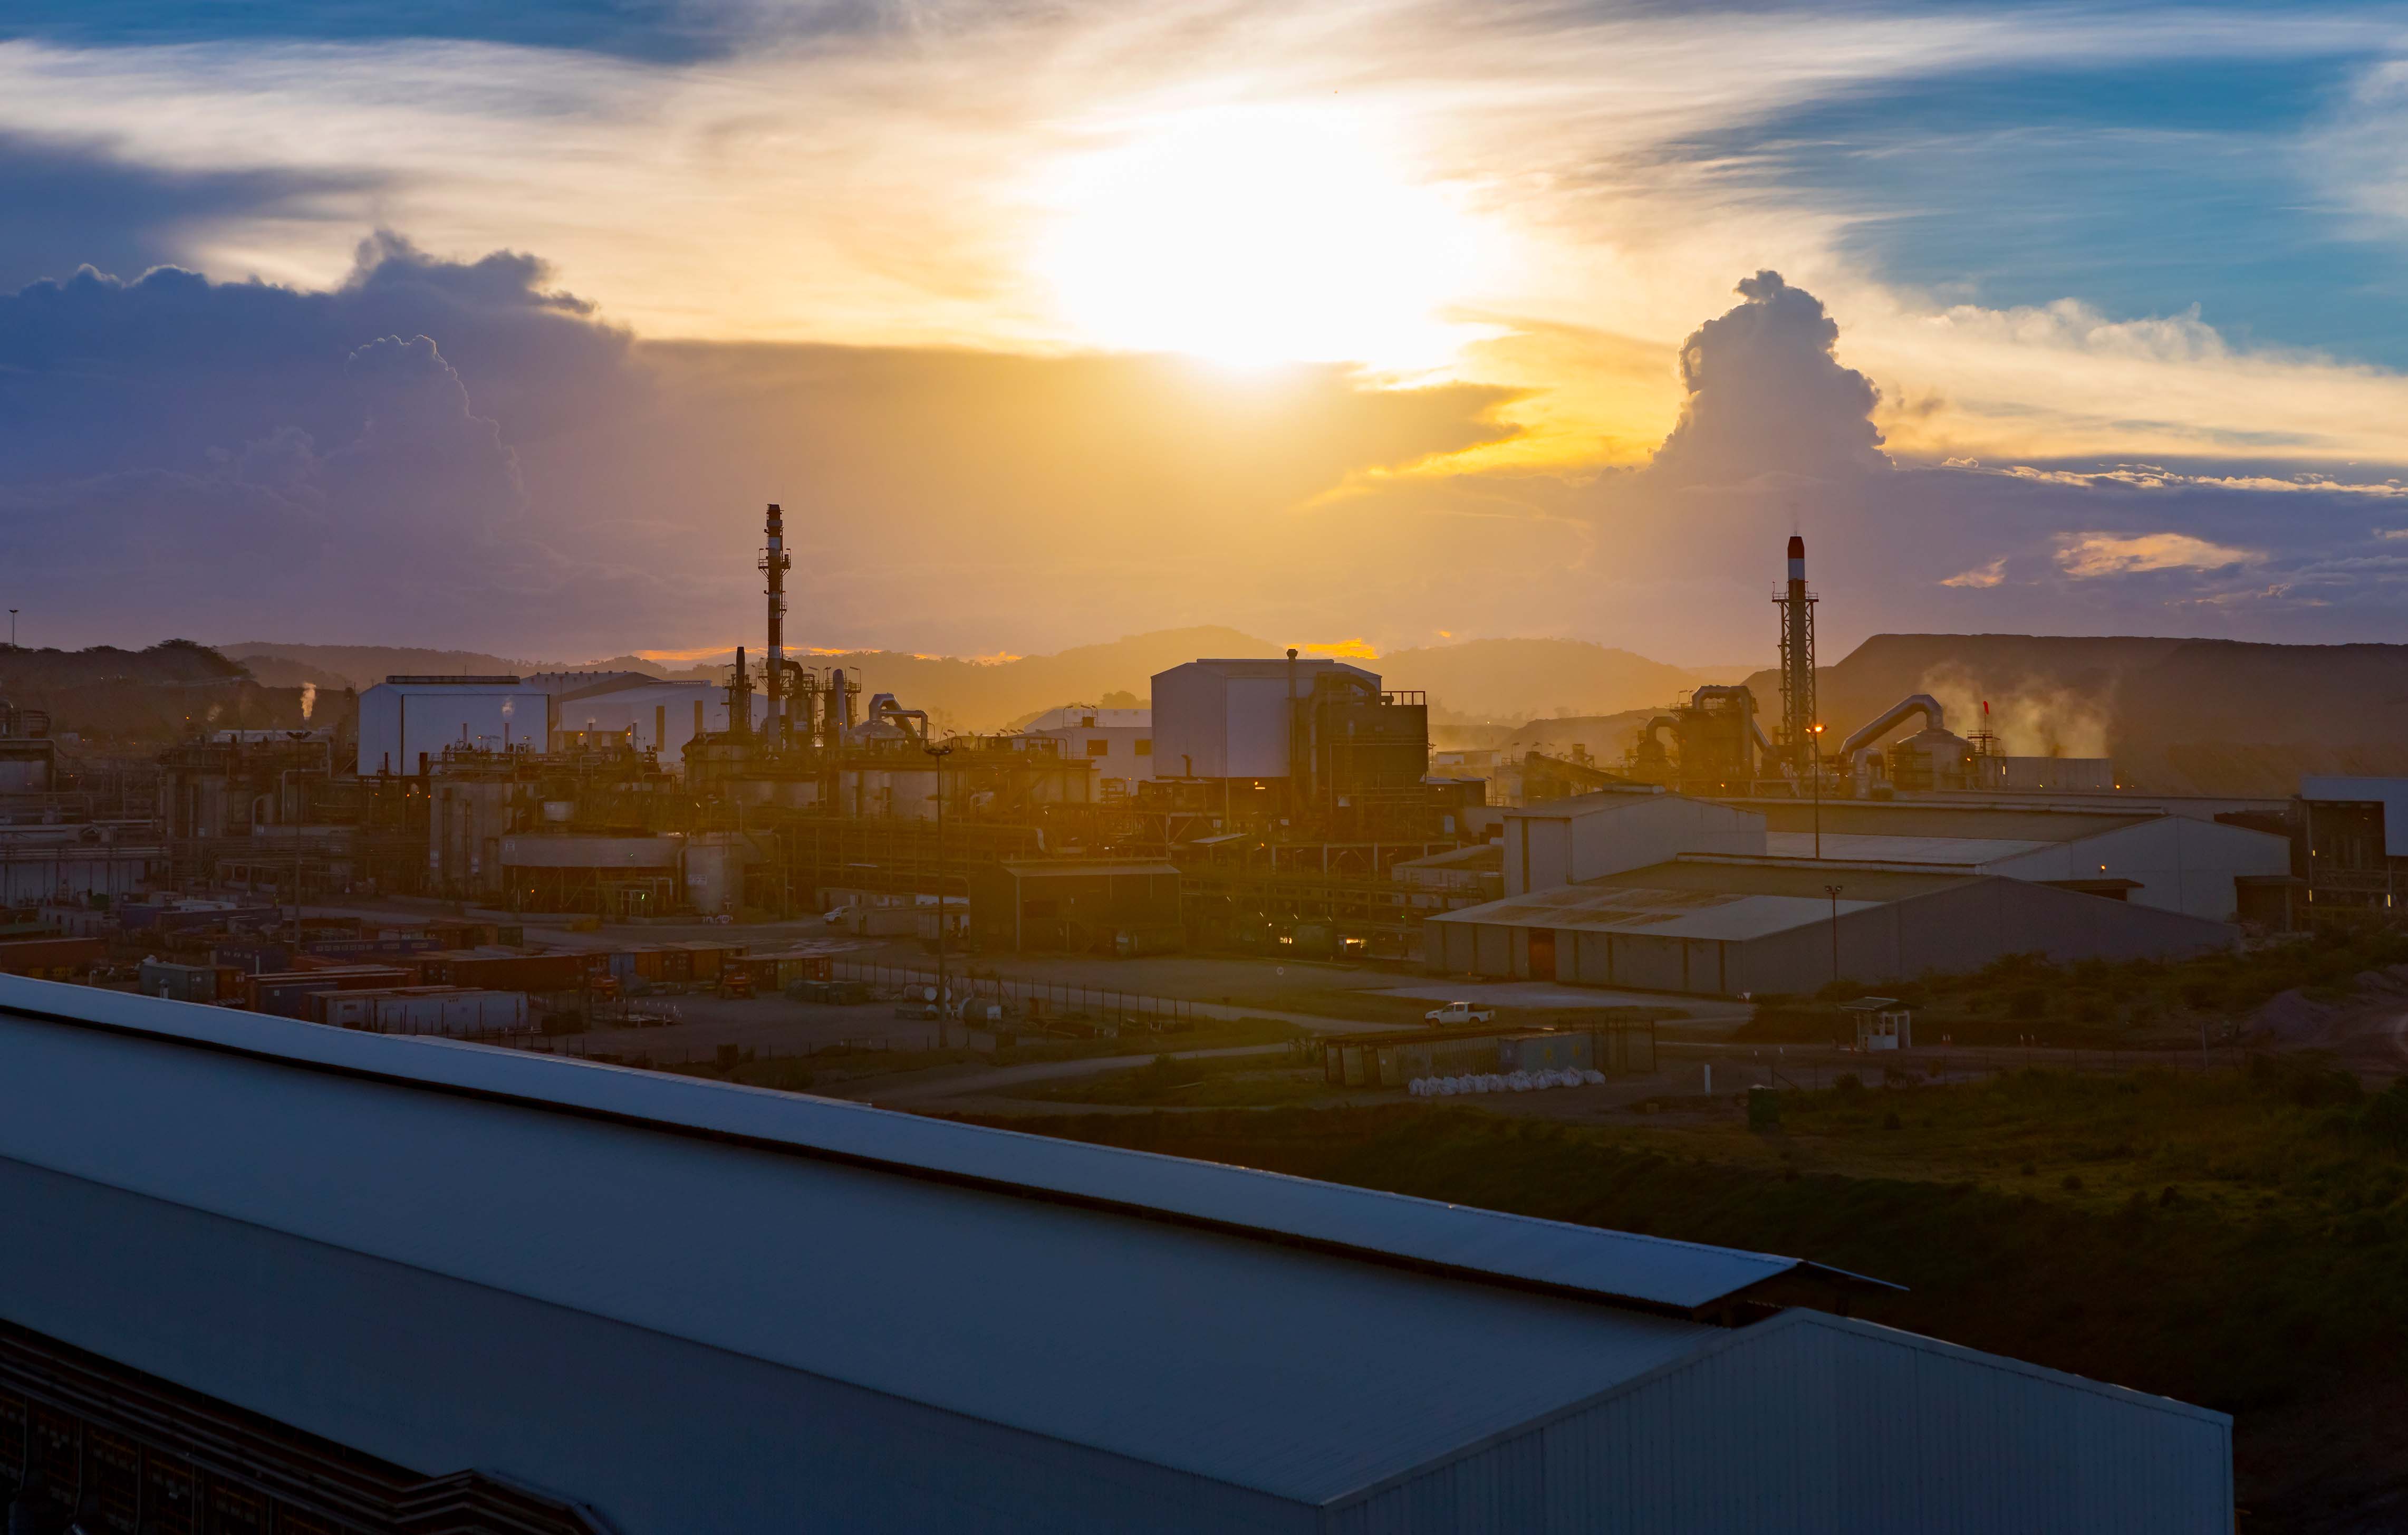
(1461, 1013)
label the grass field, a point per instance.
(2237, 1240)
(2094, 1003)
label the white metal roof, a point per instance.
(1873, 848)
(1655, 912)
(887, 1255)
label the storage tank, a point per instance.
(1231, 718)
(1932, 758)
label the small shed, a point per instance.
(1882, 1022)
(1073, 904)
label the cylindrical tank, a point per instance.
(1933, 759)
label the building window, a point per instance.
(1144, 747)
(1099, 747)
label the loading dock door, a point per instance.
(1542, 953)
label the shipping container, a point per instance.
(446, 1011)
(190, 983)
(495, 971)
(286, 994)
(368, 948)
(1610, 1048)
(51, 958)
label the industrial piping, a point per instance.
(1729, 691)
(1869, 738)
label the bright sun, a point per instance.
(1258, 235)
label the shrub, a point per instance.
(2386, 1119)
(2310, 1078)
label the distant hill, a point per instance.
(1507, 681)
(365, 665)
(2178, 716)
(1501, 681)
(961, 695)
(153, 697)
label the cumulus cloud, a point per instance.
(1767, 394)
(72, 201)
(456, 449)
(2087, 555)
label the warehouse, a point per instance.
(691, 1306)
(1727, 925)
(1076, 905)
(2176, 863)
(407, 722)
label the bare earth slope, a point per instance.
(2178, 716)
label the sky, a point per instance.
(1335, 320)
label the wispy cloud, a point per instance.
(1981, 578)
(2090, 555)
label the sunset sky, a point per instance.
(493, 326)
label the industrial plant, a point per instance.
(1257, 804)
(632, 1271)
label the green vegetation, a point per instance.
(2237, 1240)
(1169, 1081)
(2094, 1003)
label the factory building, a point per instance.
(1320, 732)
(1118, 743)
(1563, 841)
(1718, 926)
(1078, 906)
(2354, 832)
(2142, 856)
(559, 1298)
(645, 712)
(1641, 888)
(407, 722)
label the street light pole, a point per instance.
(938, 753)
(1833, 891)
(1814, 765)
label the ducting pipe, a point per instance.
(1868, 739)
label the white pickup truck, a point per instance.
(1461, 1013)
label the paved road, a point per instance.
(959, 1085)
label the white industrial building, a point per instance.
(1563, 841)
(1118, 743)
(405, 722)
(249, 1249)
(1232, 718)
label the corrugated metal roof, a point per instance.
(1741, 875)
(1657, 912)
(1485, 1244)
(1901, 818)
(1954, 851)
(1258, 1364)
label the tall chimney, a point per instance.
(1797, 739)
(775, 563)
